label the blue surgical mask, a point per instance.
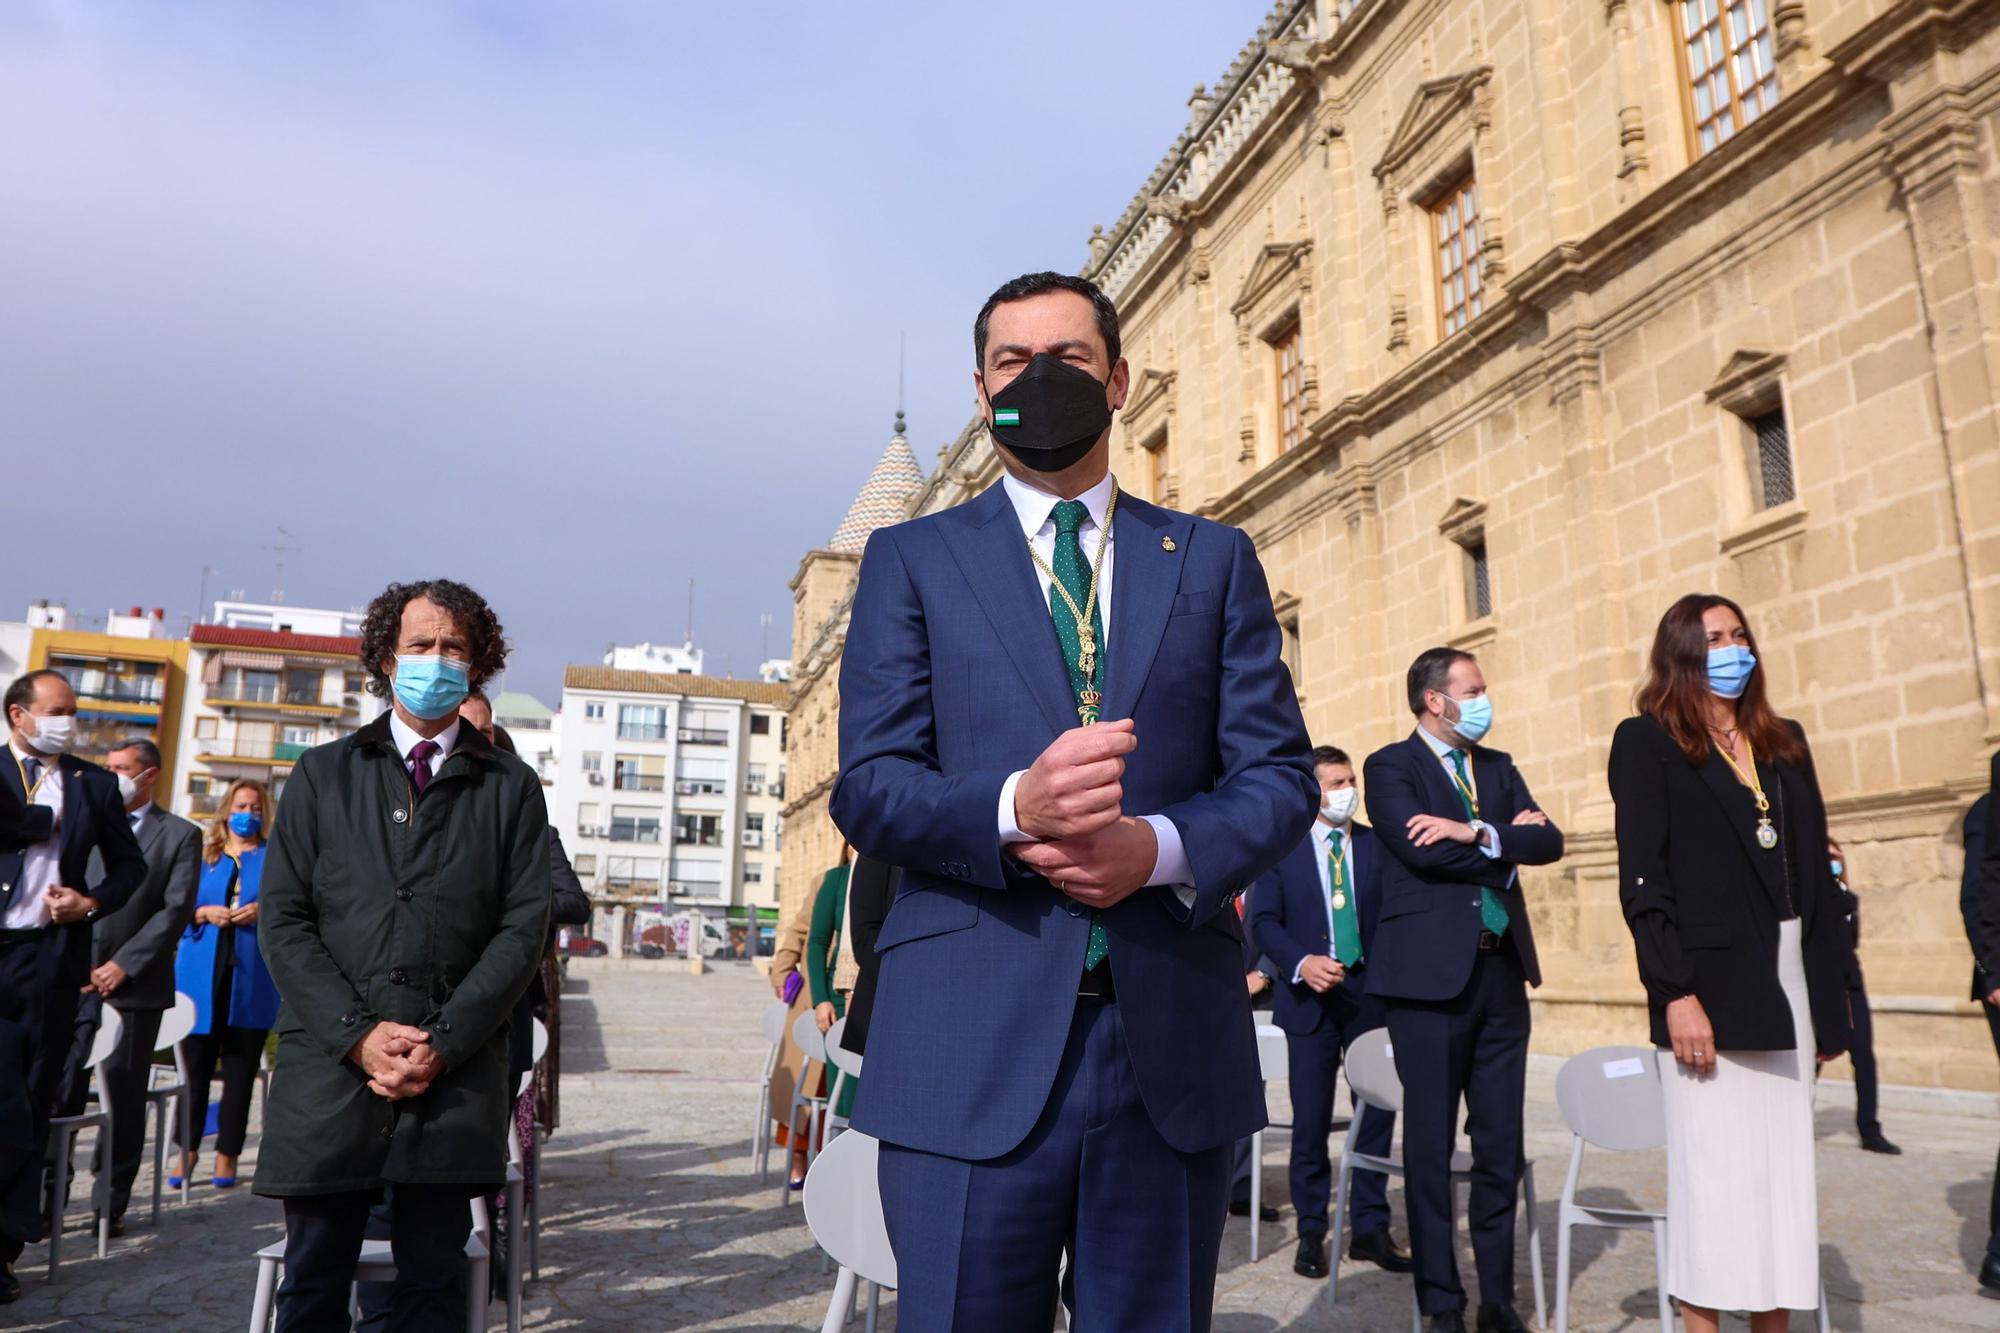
(246, 825)
(431, 687)
(1729, 670)
(1475, 718)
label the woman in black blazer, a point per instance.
(1737, 922)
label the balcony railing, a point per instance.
(695, 888)
(641, 731)
(205, 805)
(120, 692)
(685, 839)
(640, 782)
(632, 833)
(276, 752)
(271, 696)
(699, 786)
(703, 736)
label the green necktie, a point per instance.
(1074, 573)
(1346, 922)
(1492, 912)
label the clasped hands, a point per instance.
(399, 1060)
(1069, 799)
(217, 915)
(1427, 829)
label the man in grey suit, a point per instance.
(132, 954)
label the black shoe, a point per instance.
(1378, 1247)
(10, 1286)
(1241, 1208)
(1500, 1319)
(1872, 1141)
(1311, 1258)
(1989, 1277)
(1451, 1322)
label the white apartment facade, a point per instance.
(668, 788)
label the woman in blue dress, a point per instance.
(220, 969)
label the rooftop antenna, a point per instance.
(279, 548)
(901, 339)
(200, 616)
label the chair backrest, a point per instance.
(110, 1027)
(1371, 1070)
(540, 1041)
(808, 1036)
(846, 1061)
(1273, 1059)
(773, 1021)
(1610, 1098)
(176, 1023)
(844, 1208)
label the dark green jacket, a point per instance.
(380, 907)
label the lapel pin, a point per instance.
(1166, 543)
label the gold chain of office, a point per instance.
(1090, 700)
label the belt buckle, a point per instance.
(1488, 942)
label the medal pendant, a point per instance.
(1339, 900)
(1767, 837)
(1087, 706)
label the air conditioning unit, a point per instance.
(754, 788)
(597, 779)
(753, 840)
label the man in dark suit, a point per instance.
(1053, 965)
(1450, 955)
(45, 920)
(1979, 904)
(133, 952)
(1315, 917)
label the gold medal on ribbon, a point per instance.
(1339, 901)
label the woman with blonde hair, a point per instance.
(220, 968)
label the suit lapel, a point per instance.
(150, 829)
(1739, 812)
(1445, 799)
(10, 772)
(993, 556)
(78, 819)
(1144, 579)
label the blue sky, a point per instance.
(571, 301)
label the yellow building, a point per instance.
(1503, 324)
(128, 684)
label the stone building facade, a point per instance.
(1503, 323)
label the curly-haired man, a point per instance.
(404, 904)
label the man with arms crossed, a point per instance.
(1052, 964)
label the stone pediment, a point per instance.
(1437, 103)
(1463, 520)
(1744, 377)
(1151, 400)
(1276, 264)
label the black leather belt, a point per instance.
(1489, 942)
(1096, 984)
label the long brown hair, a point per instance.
(216, 837)
(1676, 693)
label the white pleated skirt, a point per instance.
(1742, 1198)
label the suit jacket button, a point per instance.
(347, 1020)
(389, 1131)
(404, 895)
(444, 1028)
(400, 815)
(1076, 909)
(397, 976)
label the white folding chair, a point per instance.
(846, 1067)
(175, 1025)
(1610, 1099)
(763, 1127)
(539, 1052)
(524, 1221)
(1273, 1062)
(1371, 1074)
(63, 1130)
(378, 1264)
(844, 1210)
(806, 1033)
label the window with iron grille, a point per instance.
(1772, 475)
(1156, 458)
(1478, 580)
(1461, 289)
(1729, 75)
(1291, 392)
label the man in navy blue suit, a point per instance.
(1062, 949)
(71, 809)
(1314, 917)
(1449, 959)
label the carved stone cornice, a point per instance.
(1571, 362)
(1933, 141)
(1436, 103)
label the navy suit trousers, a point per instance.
(978, 1244)
(1313, 1065)
(1474, 1047)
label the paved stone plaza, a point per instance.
(652, 1219)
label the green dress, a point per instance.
(822, 954)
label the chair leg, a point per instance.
(1660, 1273)
(100, 1185)
(159, 1153)
(184, 1112)
(1336, 1227)
(54, 1188)
(1564, 1228)
(516, 1200)
(1535, 1246)
(1256, 1192)
(535, 1222)
(1825, 1319)
(1416, 1312)
(874, 1304)
(260, 1304)
(476, 1293)
(836, 1309)
(791, 1150)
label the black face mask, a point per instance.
(1051, 414)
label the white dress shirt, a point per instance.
(1322, 836)
(1035, 509)
(1488, 840)
(41, 868)
(406, 740)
